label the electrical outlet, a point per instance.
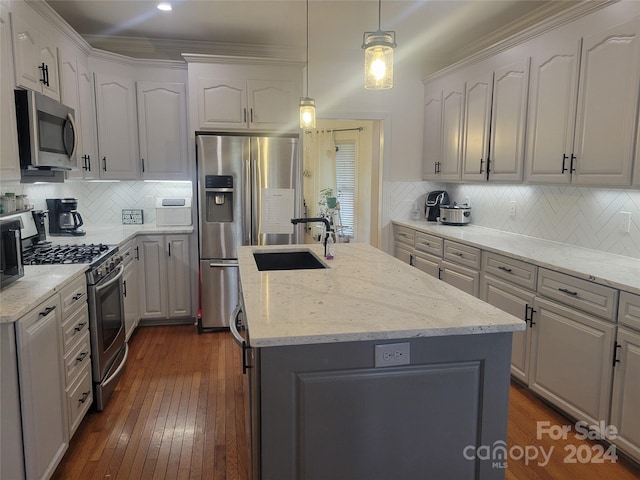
(625, 221)
(512, 208)
(392, 354)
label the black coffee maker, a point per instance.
(433, 201)
(64, 218)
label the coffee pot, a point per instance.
(64, 218)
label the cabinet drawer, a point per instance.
(403, 234)
(462, 254)
(79, 398)
(77, 359)
(74, 327)
(73, 295)
(515, 271)
(629, 310)
(586, 296)
(429, 244)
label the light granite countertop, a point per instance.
(604, 268)
(41, 281)
(365, 294)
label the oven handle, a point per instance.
(120, 367)
(113, 280)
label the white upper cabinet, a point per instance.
(607, 105)
(476, 125)
(9, 159)
(36, 60)
(432, 133)
(443, 124)
(116, 117)
(582, 124)
(162, 130)
(495, 116)
(552, 106)
(508, 117)
(260, 104)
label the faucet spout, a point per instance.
(296, 221)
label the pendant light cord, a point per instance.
(307, 54)
(379, 12)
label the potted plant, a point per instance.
(327, 198)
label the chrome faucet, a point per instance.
(295, 221)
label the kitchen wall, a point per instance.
(102, 202)
(585, 217)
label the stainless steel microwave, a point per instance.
(11, 266)
(47, 135)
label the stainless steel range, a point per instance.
(105, 294)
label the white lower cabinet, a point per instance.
(131, 258)
(625, 415)
(460, 267)
(571, 355)
(41, 375)
(165, 278)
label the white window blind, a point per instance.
(346, 184)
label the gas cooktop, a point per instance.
(59, 254)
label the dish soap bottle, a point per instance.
(331, 248)
(415, 213)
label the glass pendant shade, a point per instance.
(378, 59)
(307, 112)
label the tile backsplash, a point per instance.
(103, 202)
(586, 217)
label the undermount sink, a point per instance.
(287, 260)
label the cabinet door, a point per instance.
(272, 104)
(89, 154)
(571, 355)
(464, 278)
(69, 95)
(43, 399)
(153, 277)
(117, 142)
(9, 159)
(427, 263)
(508, 117)
(452, 124)
(178, 271)
(26, 54)
(626, 393)
(476, 126)
(162, 128)
(49, 56)
(222, 103)
(515, 301)
(552, 105)
(607, 106)
(403, 253)
(131, 296)
(432, 134)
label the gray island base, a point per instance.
(369, 394)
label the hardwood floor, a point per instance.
(178, 412)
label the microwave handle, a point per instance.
(75, 134)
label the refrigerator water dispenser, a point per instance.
(219, 198)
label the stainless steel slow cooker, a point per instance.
(455, 214)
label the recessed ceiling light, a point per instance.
(165, 7)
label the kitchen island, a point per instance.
(372, 369)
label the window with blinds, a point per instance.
(346, 184)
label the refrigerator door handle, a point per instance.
(246, 200)
(223, 264)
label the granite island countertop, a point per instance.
(616, 271)
(41, 281)
(365, 294)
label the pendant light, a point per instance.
(307, 105)
(378, 57)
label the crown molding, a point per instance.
(524, 29)
(59, 23)
(238, 59)
(119, 59)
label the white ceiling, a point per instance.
(436, 32)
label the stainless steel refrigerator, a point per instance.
(249, 188)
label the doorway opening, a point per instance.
(344, 156)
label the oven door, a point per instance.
(106, 317)
(11, 268)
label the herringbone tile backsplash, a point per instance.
(586, 217)
(103, 202)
